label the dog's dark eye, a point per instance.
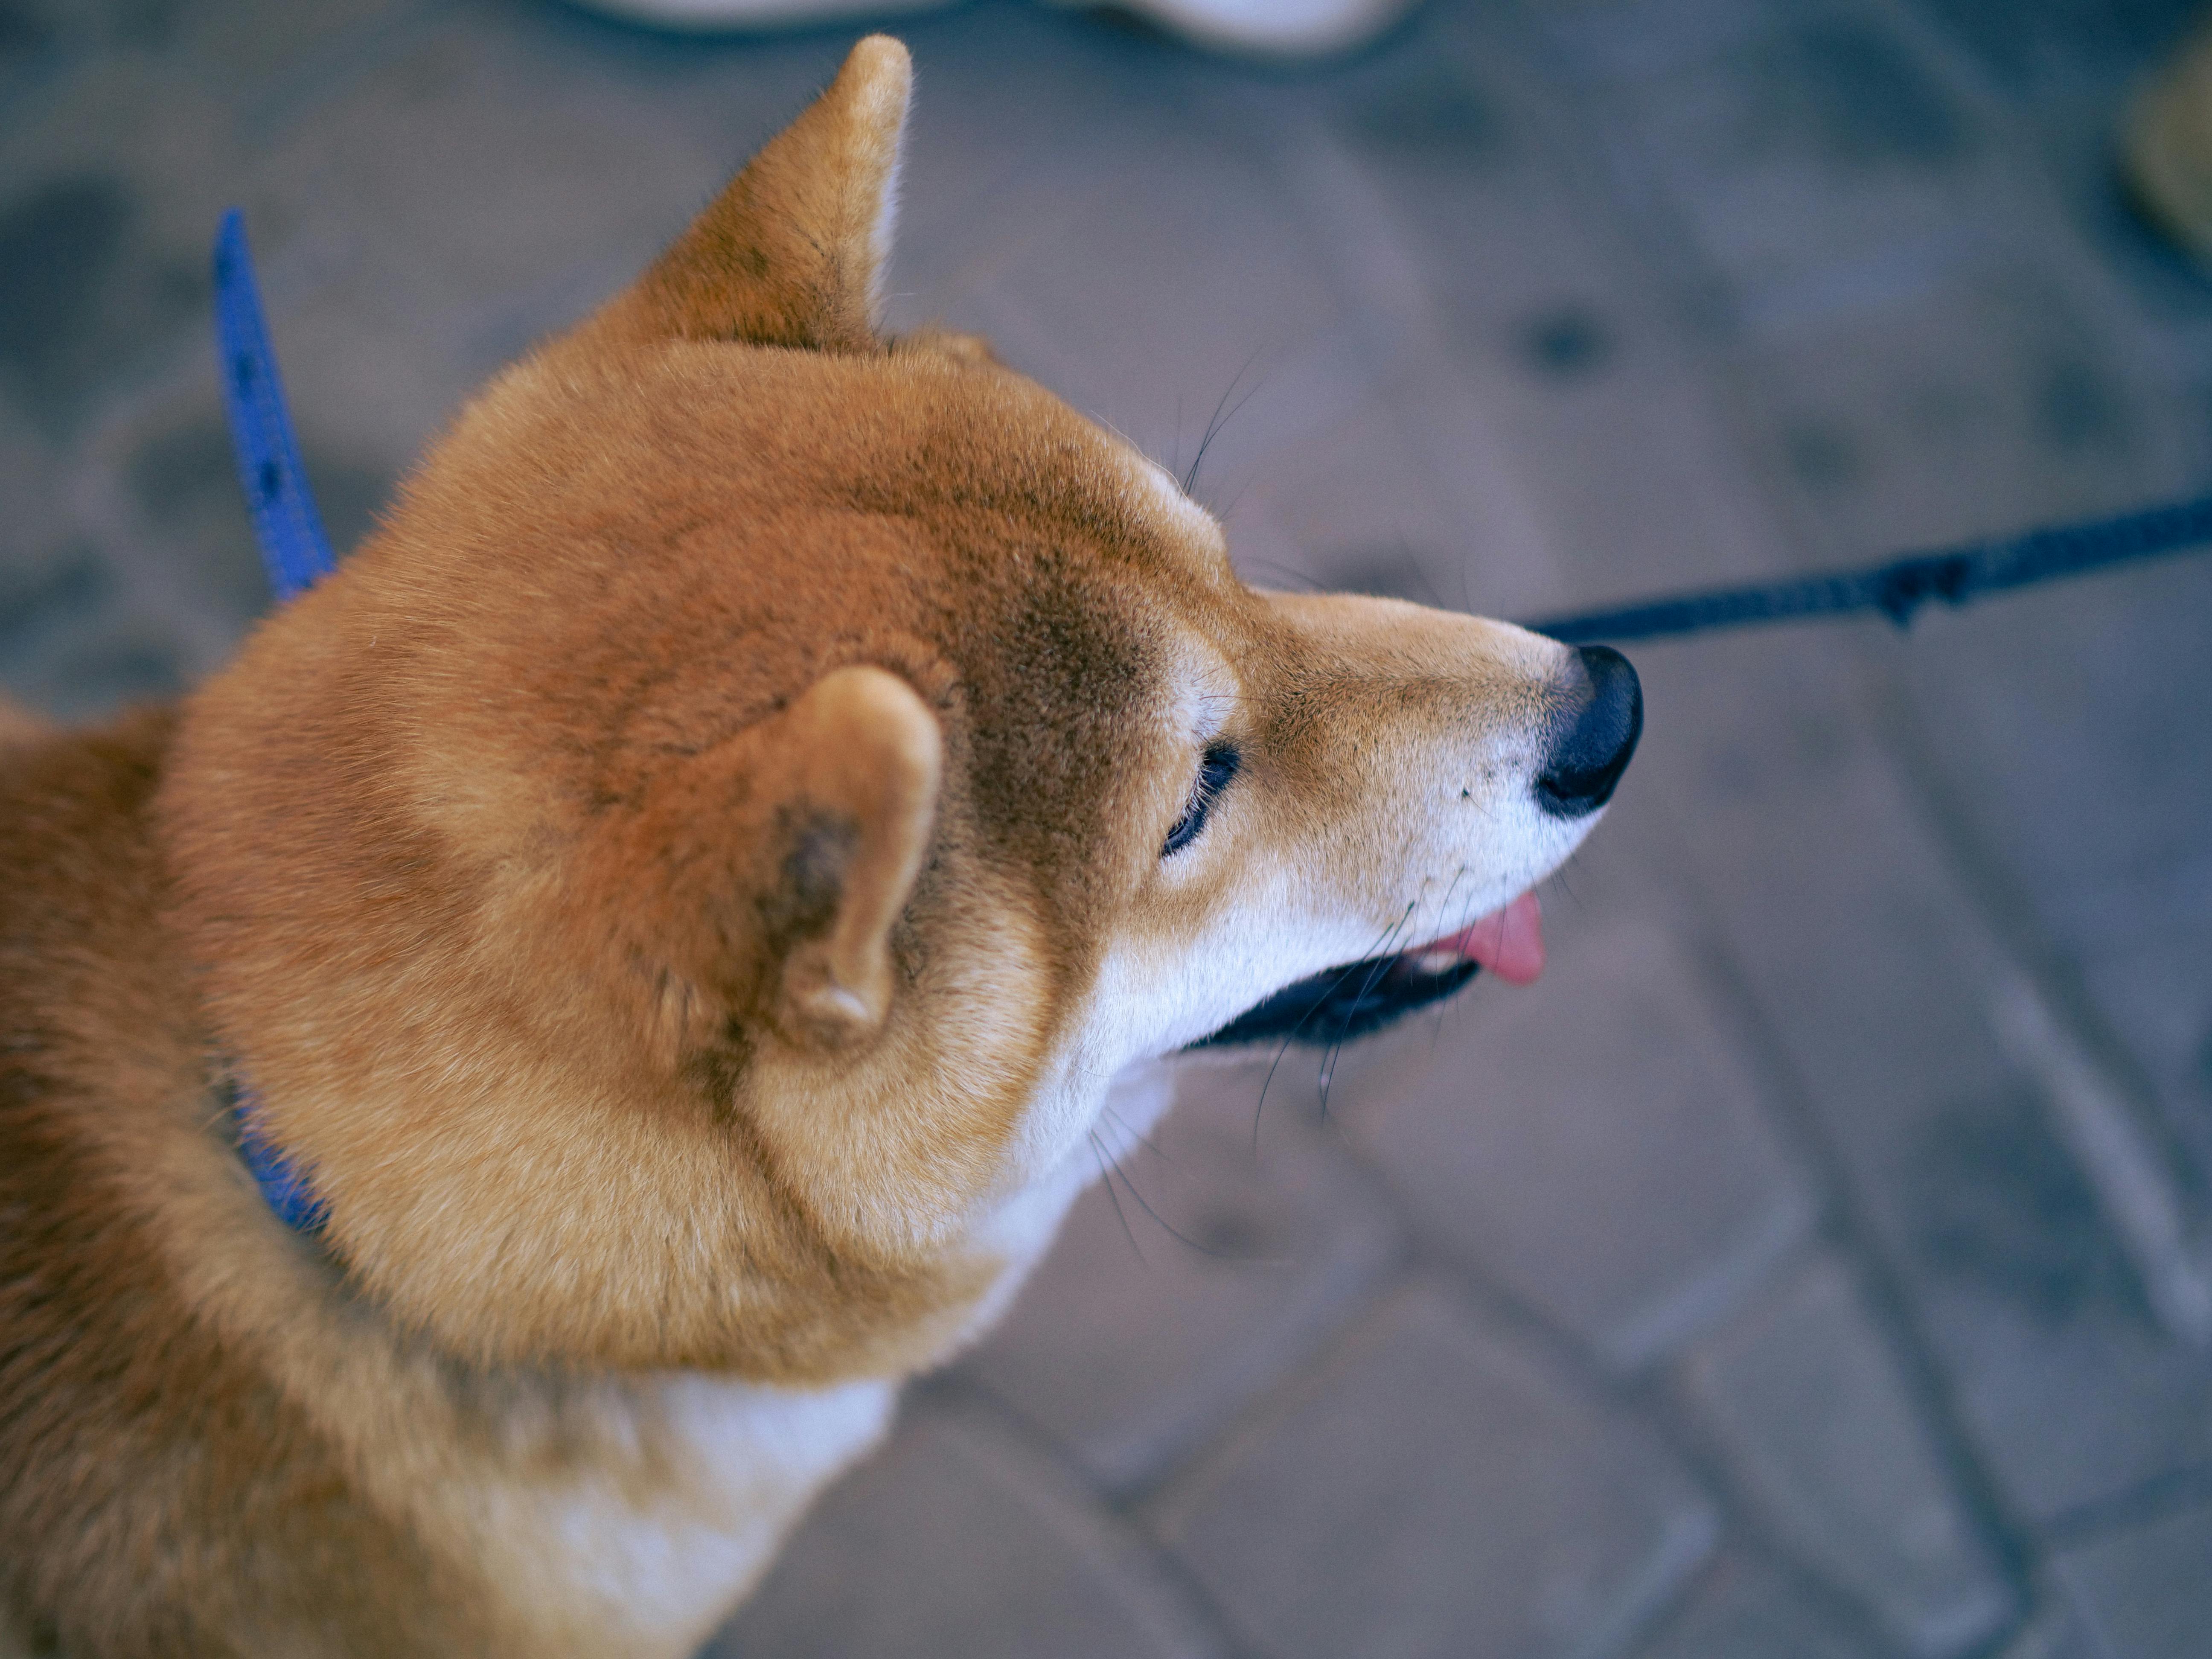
(1214, 775)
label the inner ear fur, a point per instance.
(793, 251)
(768, 871)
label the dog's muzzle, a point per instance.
(1592, 742)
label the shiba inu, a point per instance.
(677, 900)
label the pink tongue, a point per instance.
(1509, 942)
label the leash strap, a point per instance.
(1898, 589)
(285, 522)
(296, 554)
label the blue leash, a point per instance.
(285, 522)
(298, 555)
(290, 531)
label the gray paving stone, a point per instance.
(478, 175)
(2061, 1370)
(1800, 141)
(1805, 1402)
(1632, 472)
(2075, 1406)
(30, 41)
(1349, 508)
(2030, 44)
(1436, 1489)
(1134, 1343)
(1966, 396)
(1810, 858)
(1232, 289)
(957, 1541)
(1575, 361)
(1965, 392)
(1597, 1143)
(76, 636)
(1739, 1609)
(67, 644)
(1874, 978)
(28, 461)
(43, 41)
(2039, 680)
(1073, 99)
(166, 491)
(2081, 776)
(2148, 989)
(2147, 1593)
(1949, 389)
(1443, 515)
(1492, 545)
(114, 175)
(2002, 1208)
(2054, 1633)
(243, 46)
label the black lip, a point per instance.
(1339, 1004)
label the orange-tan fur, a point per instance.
(18, 724)
(682, 890)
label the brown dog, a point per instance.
(681, 894)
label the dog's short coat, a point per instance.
(682, 893)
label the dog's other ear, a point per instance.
(770, 871)
(793, 251)
(857, 801)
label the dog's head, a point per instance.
(706, 855)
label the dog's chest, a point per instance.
(692, 1482)
(639, 1550)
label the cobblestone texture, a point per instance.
(2137, 1589)
(1823, 1438)
(1474, 1501)
(888, 1567)
(1214, 1261)
(1806, 1267)
(2055, 1633)
(1629, 1224)
(1740, 1610)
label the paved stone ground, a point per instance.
(1816, 1263)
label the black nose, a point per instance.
(1593, 739)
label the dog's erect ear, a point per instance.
(768, 871)
(793, 251)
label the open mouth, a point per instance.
(1339, 1004)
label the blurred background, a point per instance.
(1819, 1261)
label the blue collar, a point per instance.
(283, 1187)
(297, 555)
